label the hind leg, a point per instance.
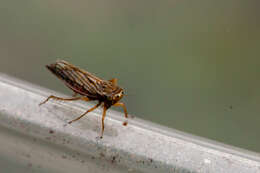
(91, 109)
(63, 99)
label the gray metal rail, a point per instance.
(38, 139)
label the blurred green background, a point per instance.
(189, 65)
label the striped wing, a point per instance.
(80, 81)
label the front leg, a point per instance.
(124, 107)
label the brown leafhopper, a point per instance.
(89, 87)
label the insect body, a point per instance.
(90, 87)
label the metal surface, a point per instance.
(38, 139)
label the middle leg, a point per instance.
(103, 118)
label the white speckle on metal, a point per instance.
(207, 161)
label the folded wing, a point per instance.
(80, 81)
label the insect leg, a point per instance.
(59, 98)
(103, 118)
(124, 107)
(91, 109)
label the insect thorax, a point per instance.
(114, 97)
